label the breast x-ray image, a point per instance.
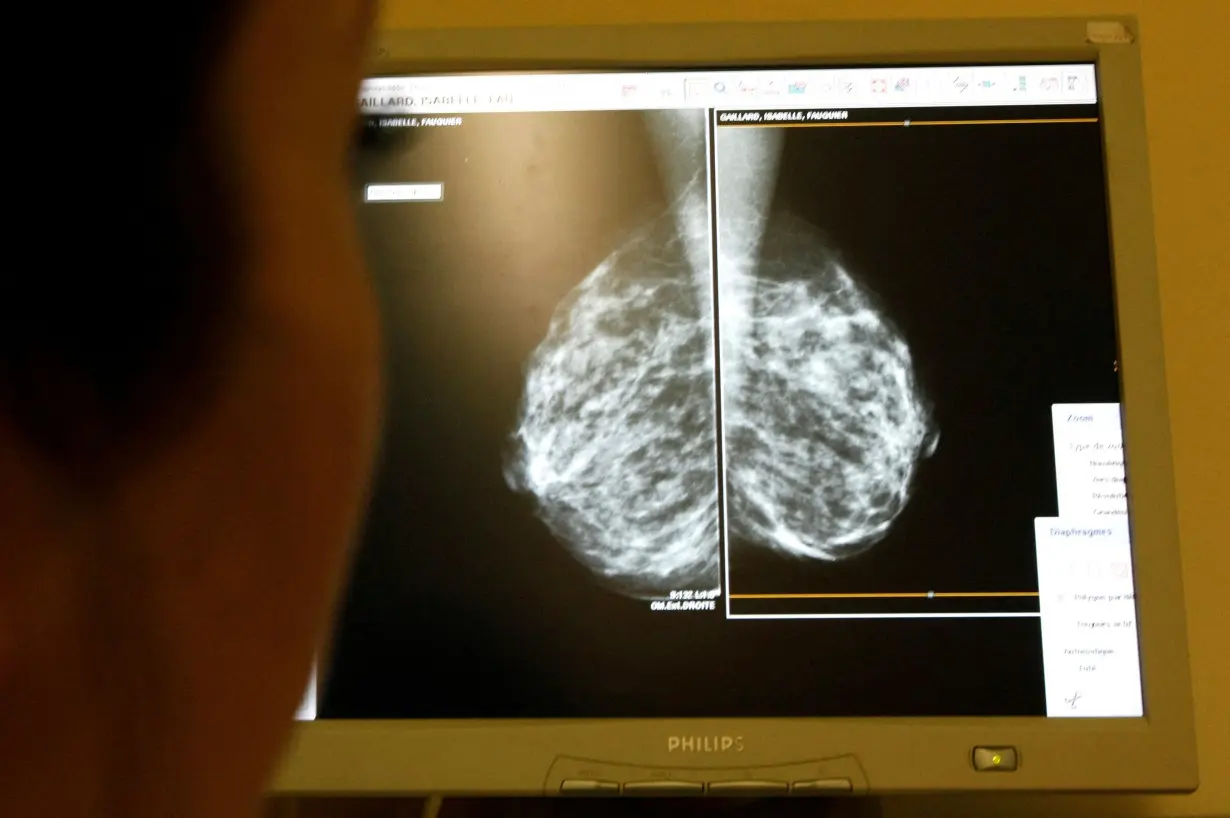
(783, 384)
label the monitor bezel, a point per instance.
(1155, 753)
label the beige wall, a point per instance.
(1187, 70)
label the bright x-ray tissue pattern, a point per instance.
(822, 421)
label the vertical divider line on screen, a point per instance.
(719, 420)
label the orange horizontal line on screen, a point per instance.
(912, 123)
(905, 595)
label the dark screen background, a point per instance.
(988, 248)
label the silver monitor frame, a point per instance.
(888, 755)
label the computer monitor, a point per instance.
(772, 409)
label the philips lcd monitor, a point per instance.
(771, 409)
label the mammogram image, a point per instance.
(785, 383)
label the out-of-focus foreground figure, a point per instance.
(189, 400)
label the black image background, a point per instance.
(987, 247)
(461, 604)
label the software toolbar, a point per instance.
(771, 88)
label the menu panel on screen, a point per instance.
(746, 393)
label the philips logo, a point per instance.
(704, 744)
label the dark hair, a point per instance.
(131, 241)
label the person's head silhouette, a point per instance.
(189, 391)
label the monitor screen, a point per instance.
(741, 393)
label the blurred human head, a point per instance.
(189, 400)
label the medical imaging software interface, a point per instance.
(741, 393)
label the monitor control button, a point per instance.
(822, 785)
(747, 787)
(995, 759)
(583, 787)
(664, 787)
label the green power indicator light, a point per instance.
(997, 759)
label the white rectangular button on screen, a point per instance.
(433, 192)
(747, 787)
(593, 787)
(664, 787)
(822, 785)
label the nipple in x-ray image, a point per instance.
(698, 376)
